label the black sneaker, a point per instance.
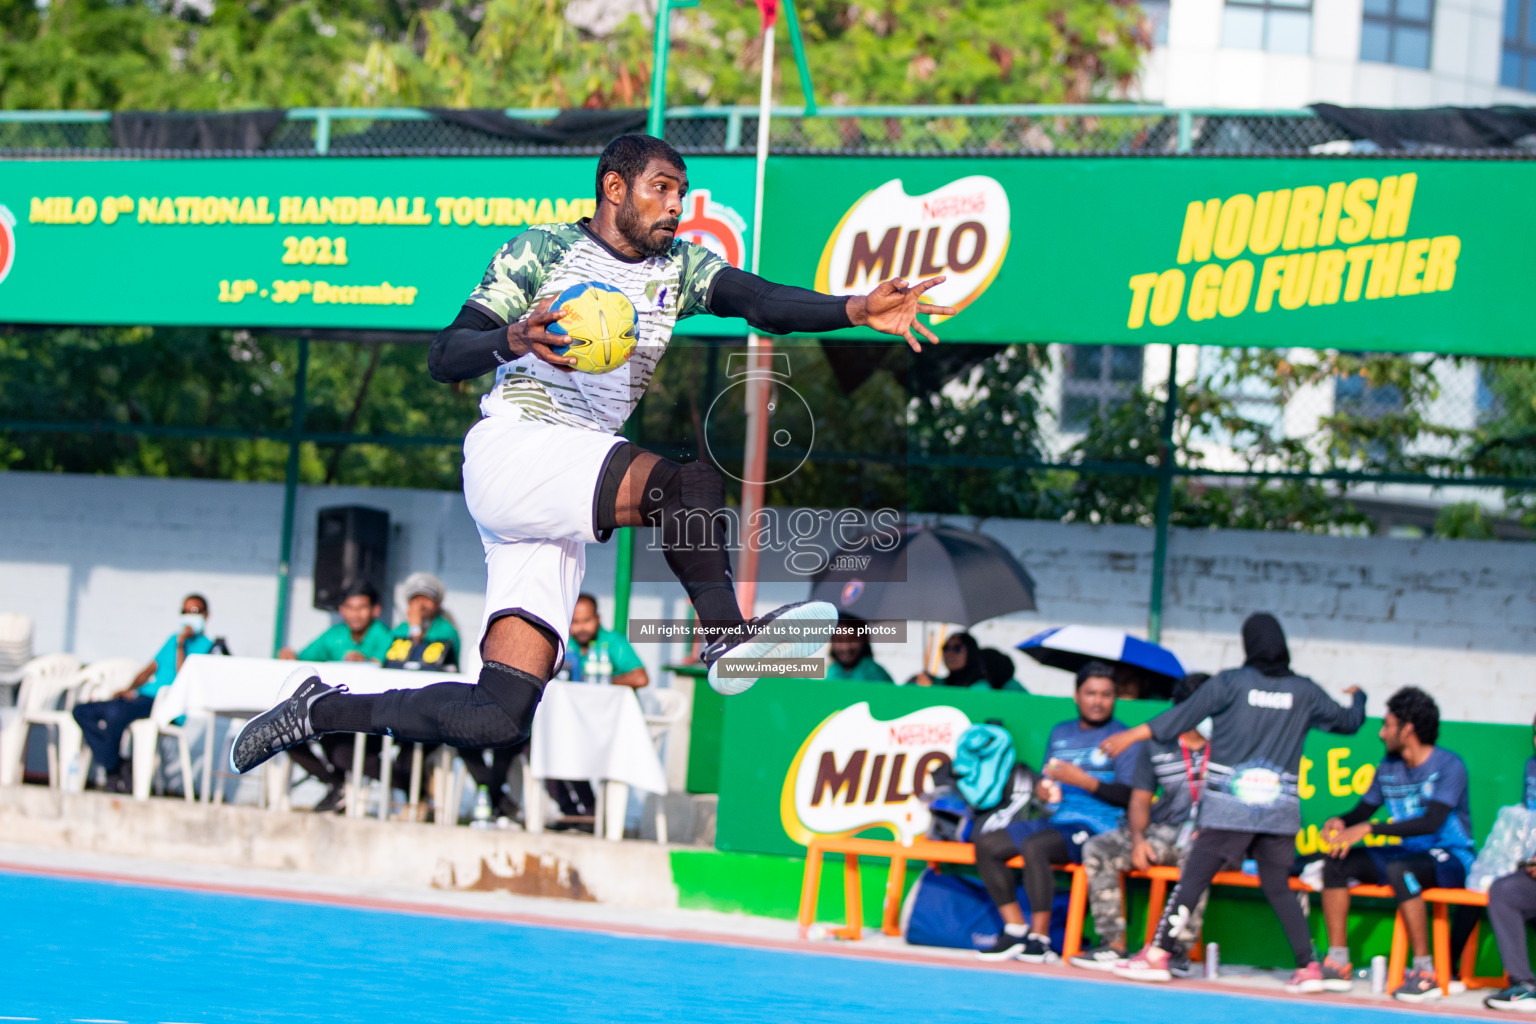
(809, 625)
(1179, 965)
(285, 725)
(1007, 947)
(335, 799)
(1099, 958)
(1418, 986)
(1037, 950)
(1520, 998)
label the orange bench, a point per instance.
(926, 850)
(1439, 901)
(931, 852)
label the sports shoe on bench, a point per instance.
(1099, 958)
(285, 725)
(1418, 986)
(1141, 967)
(1337, 977)
(1307, 980)
(1007, 947)
(1520, 998)
(810, 627)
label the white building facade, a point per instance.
(1274, 54)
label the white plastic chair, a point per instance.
(42, 681)
(97, 681)
(145, 736)
(670, 708)
(15, 646)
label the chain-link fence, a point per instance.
(958, 130)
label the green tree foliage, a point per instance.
(236, 54)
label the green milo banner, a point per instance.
(1399, 255)
(801, 757)
(386, 243)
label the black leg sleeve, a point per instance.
(993, 852)
(1410, 876)
(1040, 851)
(1213, 849)
(495, 712)
(1275, 855)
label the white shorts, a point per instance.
(531, 488)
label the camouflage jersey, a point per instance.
(548, 258)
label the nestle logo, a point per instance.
(954, 206)
(1273, 701)
(919, 735)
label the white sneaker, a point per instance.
(793, 631)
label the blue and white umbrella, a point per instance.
(1072, 647)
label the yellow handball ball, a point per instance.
(600, 321)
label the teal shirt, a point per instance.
(1012, 685)
(336, 643)
(621, 654)
(165, 662)
(867, 670)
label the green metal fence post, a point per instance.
(290, 497)
(1165, 473)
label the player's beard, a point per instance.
(644, 237)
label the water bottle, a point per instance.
(72, 776)
(604, 666)
(481, 816)
(1212, 961)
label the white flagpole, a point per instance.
(759, 359)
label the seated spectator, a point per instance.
(1084, 792)
(1425, 790)
(852, 656)
(1153, 833)
(1512, 903)
(598, 655)
(593, 655)
(1132, 683)
(962, 660)
(998, 669)
(426, 639)
(359, 636)
(103, 722)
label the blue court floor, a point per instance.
(73, 950)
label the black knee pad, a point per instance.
(517, 692)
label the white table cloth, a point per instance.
(580, 731)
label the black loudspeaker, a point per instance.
(351, 546)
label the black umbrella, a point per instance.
(934, 574)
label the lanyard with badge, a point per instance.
(1195, 779)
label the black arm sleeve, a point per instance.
(775, 308)
(1425, 824)
(1362, 811)
(472, 346)
(1116, 794)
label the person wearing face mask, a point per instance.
(103, 722)
(1084, 792)
(962, 659)
(1260, 714)
(1153, 833)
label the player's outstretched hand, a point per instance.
(892, 308)
(532, 335)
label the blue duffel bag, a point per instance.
(955, 911)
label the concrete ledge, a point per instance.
(573, 867)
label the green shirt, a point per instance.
(441, 629)
(867, 669)
(336, 643)
(621, 655)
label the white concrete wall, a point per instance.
(1194, 70)
(101, 562)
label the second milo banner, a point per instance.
(807, 757)
(1399, 255)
